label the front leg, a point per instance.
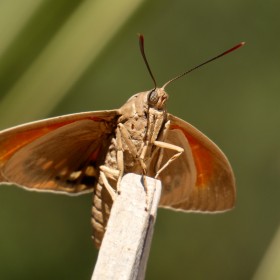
(124, 134)
(169, 146)
(120, 160)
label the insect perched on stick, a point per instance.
(91, 151)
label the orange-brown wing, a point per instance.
(213, 188)
(59, 154)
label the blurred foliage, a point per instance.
(59, 57)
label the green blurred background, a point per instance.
(60, 57)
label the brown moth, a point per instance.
(91, 151)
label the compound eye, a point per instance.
(153, 98)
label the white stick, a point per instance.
(126, 244)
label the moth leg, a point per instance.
(108, 187)
(155, 123)
(110, 172)
(120, 161)
(132, 149)
(156, 119)
(122, 132)
(169, 146)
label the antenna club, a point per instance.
(241, 44)
(141, 38)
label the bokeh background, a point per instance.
(66, 56)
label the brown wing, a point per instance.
(213, 188)
(59, 154)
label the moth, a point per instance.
(91, 151)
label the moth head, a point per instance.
(156, 98)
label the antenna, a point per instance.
(141, 44)
(198, 66)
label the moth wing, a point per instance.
(207, 174)
(59, 154)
